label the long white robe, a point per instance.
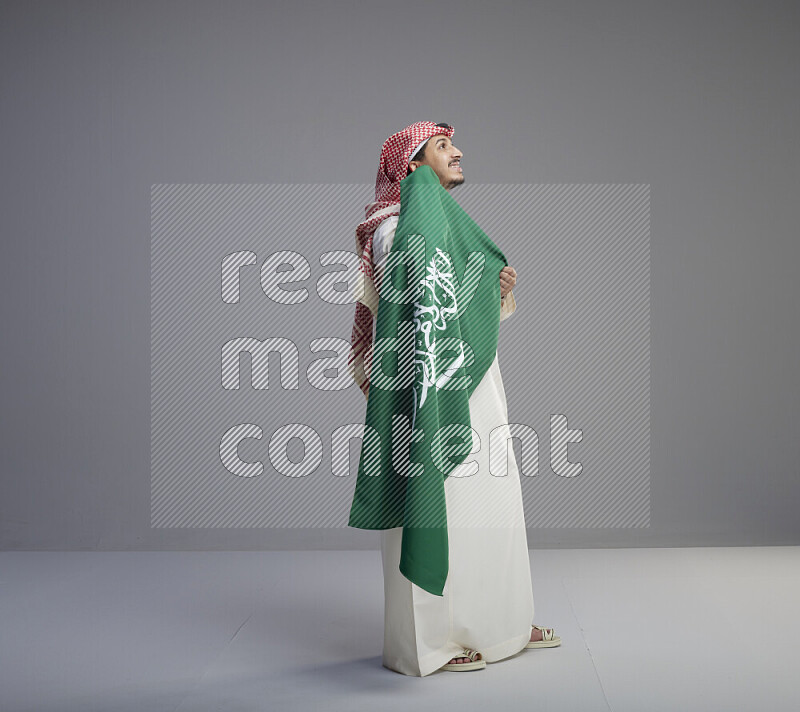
(487, 602)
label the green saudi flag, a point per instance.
(435, 338)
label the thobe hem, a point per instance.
(432, 662)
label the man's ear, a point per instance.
(412, 166)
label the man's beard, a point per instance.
(455, 183)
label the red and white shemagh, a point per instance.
(393, 167)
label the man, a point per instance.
(486, 607)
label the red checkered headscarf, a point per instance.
(393, 167)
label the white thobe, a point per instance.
(487, 602)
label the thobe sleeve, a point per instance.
(508, 306)
(382, 242)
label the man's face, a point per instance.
(445, 159)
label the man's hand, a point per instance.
(508, 278)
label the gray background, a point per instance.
(101, 100)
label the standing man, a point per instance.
(484, 611)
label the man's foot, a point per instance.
(469, 660)
(537, 635)
(543, 638)
(453, 661)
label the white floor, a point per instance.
(643, 629)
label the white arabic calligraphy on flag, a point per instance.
(436, 306)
